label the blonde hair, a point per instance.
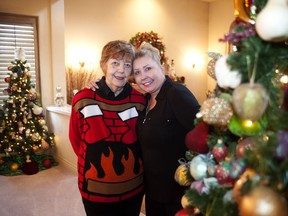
(118, 49)
(147, 49)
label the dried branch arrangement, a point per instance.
(77, 78)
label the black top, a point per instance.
(105, 92)
(162, 138)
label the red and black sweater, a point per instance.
(102, 132)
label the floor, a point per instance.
(52, 192)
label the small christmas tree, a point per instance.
(23, 130)
(238, 157)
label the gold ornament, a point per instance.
(250, 101)
(211, 64)
(263, 201)
(36, 136)
(216, 111)
(211, 68)
(244, 10)
(42, 122)
(185, 202)
(182, 175)
(44, 144)
(14, 166)
(35, 148)
(247, 175)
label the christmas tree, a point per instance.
(237, 163)
(25, 139)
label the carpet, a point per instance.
(51, 192)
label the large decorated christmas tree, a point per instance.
(25, 140)
(237, 163)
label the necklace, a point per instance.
(146, 112)
(150, 105)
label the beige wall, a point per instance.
(42, 10)
(182, 24)
(221, 15)
(189, 28)
(77, 30)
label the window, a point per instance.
(18, 31)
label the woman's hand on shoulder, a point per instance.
(92, 85)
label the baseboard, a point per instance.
(70, 166)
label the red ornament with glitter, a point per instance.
(219, 151)
(223, 172)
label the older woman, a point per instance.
(103, 136)
(161, 130)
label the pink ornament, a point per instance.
(246, 144)
(199, 186)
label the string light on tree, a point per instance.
(23, 128)
(251, 161)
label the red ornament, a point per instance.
(7, 91)
(196, 139)
(30, 167)
(219, 151)
(47, 163)
(7, 79)
(186, 212)
(222, 173)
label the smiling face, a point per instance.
(116, 64)
(117, 73)
(148, 74)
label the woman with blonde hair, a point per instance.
(161, 130)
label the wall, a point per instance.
(58, 46)
(58, 121)
(42, 10)
(221, 15)
(182, 24)
(187, 28)
(81, 28)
